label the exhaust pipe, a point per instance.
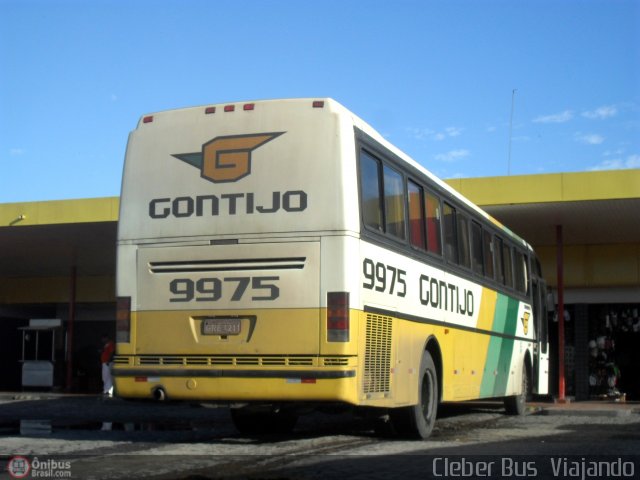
(159, 394)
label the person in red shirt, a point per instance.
(106, 358)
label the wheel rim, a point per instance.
(427, 396)
(525, 386)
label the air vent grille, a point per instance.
(377, 356)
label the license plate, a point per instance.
(221, 326)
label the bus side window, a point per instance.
(538, 268)
(527, 274)
(476, 248)
(499, 252)
(416, 216)
(432, 204)
(521, 276)
(394, 202)
(450, 236)
(487, 246)
(464, 257)
(371, 198)
(508, 265)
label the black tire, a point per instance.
(418, 420)
(250, 422)
(517, 404)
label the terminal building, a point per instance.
(58, 261)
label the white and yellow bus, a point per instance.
(278, 255)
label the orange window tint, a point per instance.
(416, 216)
(432, 208)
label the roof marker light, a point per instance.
(229, 108)
(318, 104)
(147, 119)
(248, 106)
(209, 110)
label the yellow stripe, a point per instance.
(559, 187)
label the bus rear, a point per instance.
(231, 234)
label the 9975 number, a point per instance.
(212, 289)
(384, 278)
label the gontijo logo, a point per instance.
(525, 322)
(228, 158)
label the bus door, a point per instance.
(540, 372)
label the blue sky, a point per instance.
(435, 77)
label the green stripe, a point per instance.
(493, 350)
(506, 350)
(500, 350)
(504, 364)
(500, 317)
(511, 322)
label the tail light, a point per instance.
(123, 320)
(338, 316)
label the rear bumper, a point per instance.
(186, 373)
(236, 385)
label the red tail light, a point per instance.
(123, 320)
(318, 104)
(147, 119)
(338, 316)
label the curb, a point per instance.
(569, 412)
(586, 410)
(27, 396)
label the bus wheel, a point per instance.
(418, 420)
(250, 422)
(516, 405)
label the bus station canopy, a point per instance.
(42, 242)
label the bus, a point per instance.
(278, 256)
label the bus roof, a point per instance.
(336, 107)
